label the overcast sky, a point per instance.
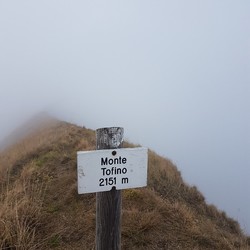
(175, 74)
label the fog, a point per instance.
(174, 74)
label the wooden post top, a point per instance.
(109, 138)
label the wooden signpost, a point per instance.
(106, 171)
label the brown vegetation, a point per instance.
(40, 207)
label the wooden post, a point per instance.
(108, 204)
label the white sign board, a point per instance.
(100, 170)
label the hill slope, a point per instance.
(40, 207)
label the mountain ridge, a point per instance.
(42, 210)
(30, 126)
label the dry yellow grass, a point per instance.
(20, 218)
(40, 207)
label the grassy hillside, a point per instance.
(40, 207)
